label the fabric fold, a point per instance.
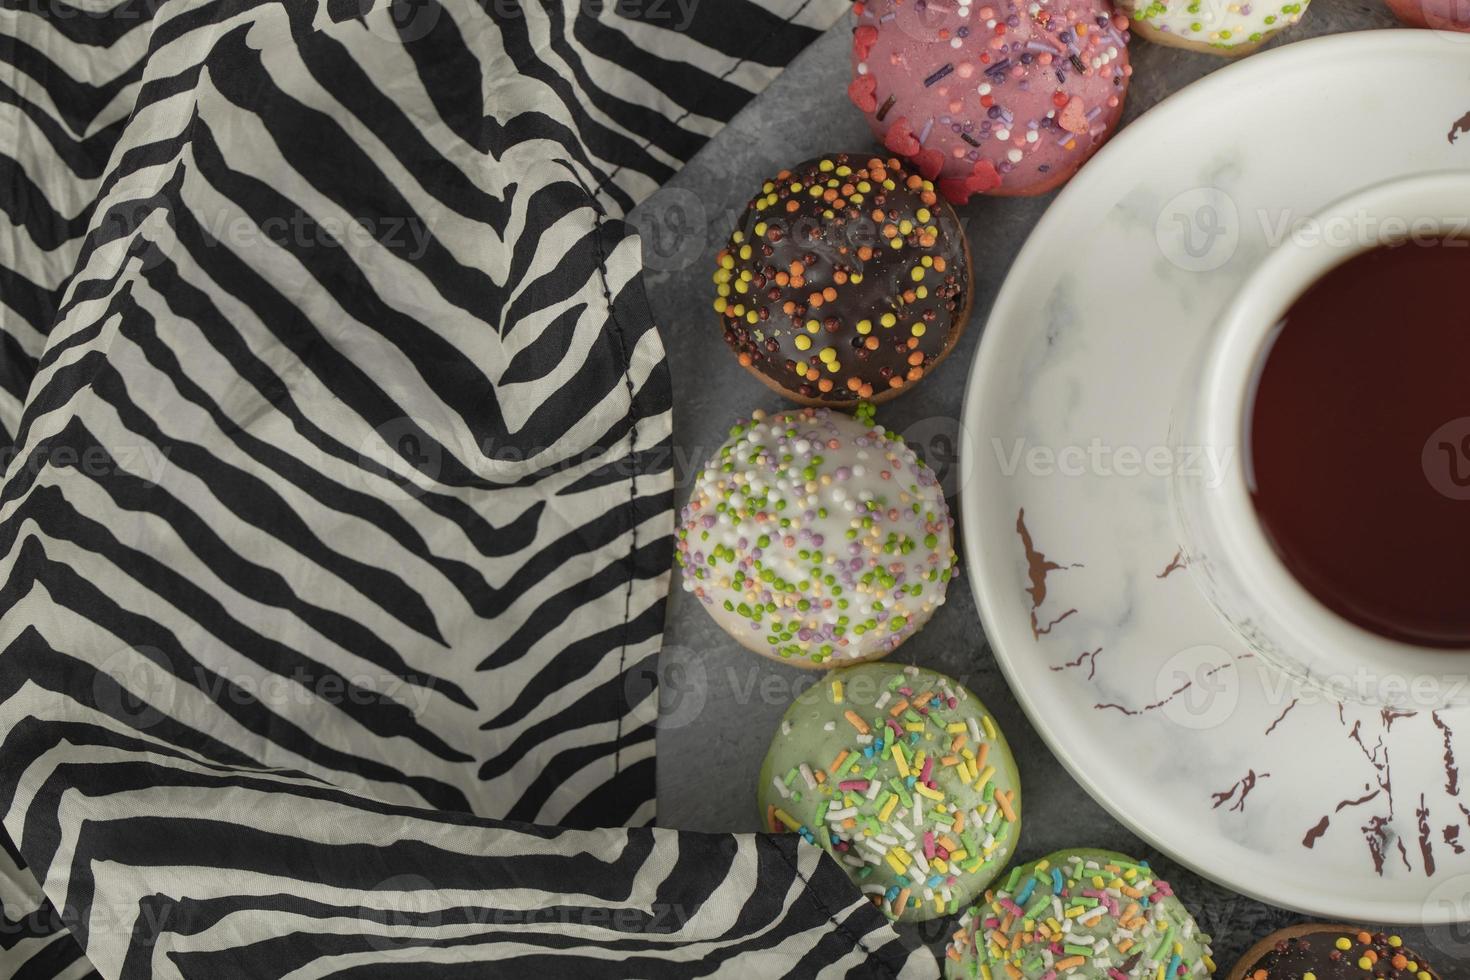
(336, 524)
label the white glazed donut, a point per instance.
(816, 538)
(1229, 28)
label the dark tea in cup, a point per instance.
(1358, 441)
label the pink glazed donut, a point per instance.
(1438, 15)
(991, 96)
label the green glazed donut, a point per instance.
(902, 776)
(1080, 914)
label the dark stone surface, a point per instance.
(722, 704)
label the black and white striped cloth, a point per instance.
(335, 525)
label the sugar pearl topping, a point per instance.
(817, 537)
(1085, 916)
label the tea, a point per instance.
(1358, 441)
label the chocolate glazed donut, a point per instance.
(847, 279)
(1331, 952)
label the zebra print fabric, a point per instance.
(336, 523)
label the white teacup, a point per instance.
(1229, 554)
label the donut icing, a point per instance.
(1330, 952)
(902, 776)
(1437, 15)
(991, 96)
(845, 279)
(1224, 26)
(817, 538)
(1080, 915)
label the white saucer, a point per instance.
(1204, 751)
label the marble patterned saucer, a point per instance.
(1154, 705)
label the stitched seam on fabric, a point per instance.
(623, 352)
(841, 927)
(709, 89)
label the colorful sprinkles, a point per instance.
(1086, 915)
(1337, 953)
(902, 776)
(990, 96)
(845, 279)
(817, 538)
